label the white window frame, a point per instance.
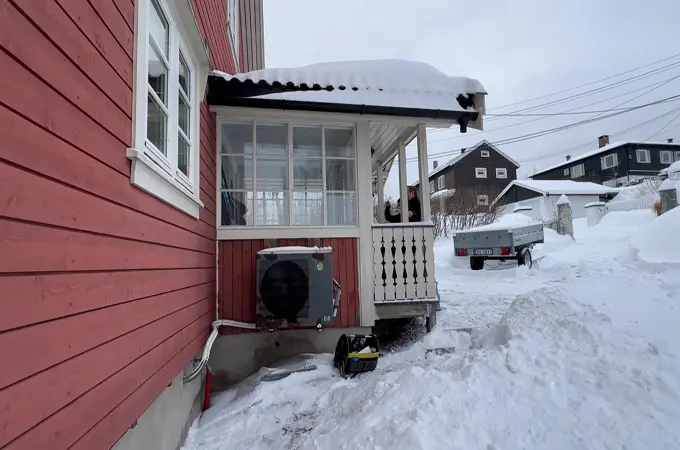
(647, 157)
(480, 172)
(484, 153)
(233, 29)
(566, 172)
(669, 156)
(677, 155)
(343, 230)
(582, 171)
(615, 161)
(483, 200)
(432, 189)
(440, 182)
(501, 172)
(151, 170)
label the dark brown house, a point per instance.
(478, 173)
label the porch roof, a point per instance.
(379, 87)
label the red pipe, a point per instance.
(206, 393)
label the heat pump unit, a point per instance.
(295, 286)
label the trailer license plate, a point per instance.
(482, 251)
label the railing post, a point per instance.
(401, 149)
(423, 172)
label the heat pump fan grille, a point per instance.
(284, 289)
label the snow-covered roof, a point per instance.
(443, 193)
(605, 149)
(453, 161)
(384, 83)
(560, 187)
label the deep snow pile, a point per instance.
(659, 241)
(584, 354)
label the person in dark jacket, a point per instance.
(414, 212)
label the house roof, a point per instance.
(406, 88)
(605, 149)
(559, 187)
(453, 161)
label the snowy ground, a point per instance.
(582, 352)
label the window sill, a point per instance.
(286, 232)
(146, 175)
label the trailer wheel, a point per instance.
(476, 263)
(525, 258)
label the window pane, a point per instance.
(184, 76)
(158, 75)
(272, 140)
(340, 143)
(307, 174)
(340, 175)
(184, 116)
(237, 208)
(237, 139)
(307, 141)
(341, 208)
(158, 26)
(271, 208)
(156, 124)
(237, 172)
(307, 208)
(272, 174)
(183, 149)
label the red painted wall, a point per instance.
(237, 283)
(106, 292)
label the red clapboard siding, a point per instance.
(237, 285)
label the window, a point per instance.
(566, 172)
(609, 161)
(440, 182)
(431, 186)
(677, 156)
(501, 173)
(276, 174)
(483, 200)
(666, 157)
(166, 112)
(578, 171)
(232, 27)
(485, 153)
(480, 172)
(643, 156)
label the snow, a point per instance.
(563, 200)
(559, 187)
(386, 82)
(504, 222)
(659, 241)
(580, 352)
(443, 193)
(667, 185)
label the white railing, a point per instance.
(629, 205)
(403, 262)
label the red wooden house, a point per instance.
(132, 207)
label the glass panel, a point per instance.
(184, 116)
(340, 175)
(341, 208)
(272, 174)
(272, 140)
(158, 75)
(340, 143)
(307, 141)
(271, 208)
(307, 208)
(158, 27)
(237, 139)
(183, 149)
(156, 124)
(184, 75)
(237, 208)
(308, 174)
(237, 172)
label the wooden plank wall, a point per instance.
(238, 271)
(106, 293)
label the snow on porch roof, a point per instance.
(390, 83)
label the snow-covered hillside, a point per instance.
(581, 352)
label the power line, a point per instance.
(664, 127)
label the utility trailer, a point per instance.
(497, 242)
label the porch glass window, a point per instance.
(297, 175)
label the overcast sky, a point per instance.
(519, 49)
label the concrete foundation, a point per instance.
(164, 425)
(237, 356)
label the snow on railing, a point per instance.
(629, 205)
(403, 262)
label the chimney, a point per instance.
(435, 164)
(669, 140)
(603, 140)
(568, 157)
(462, 150)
